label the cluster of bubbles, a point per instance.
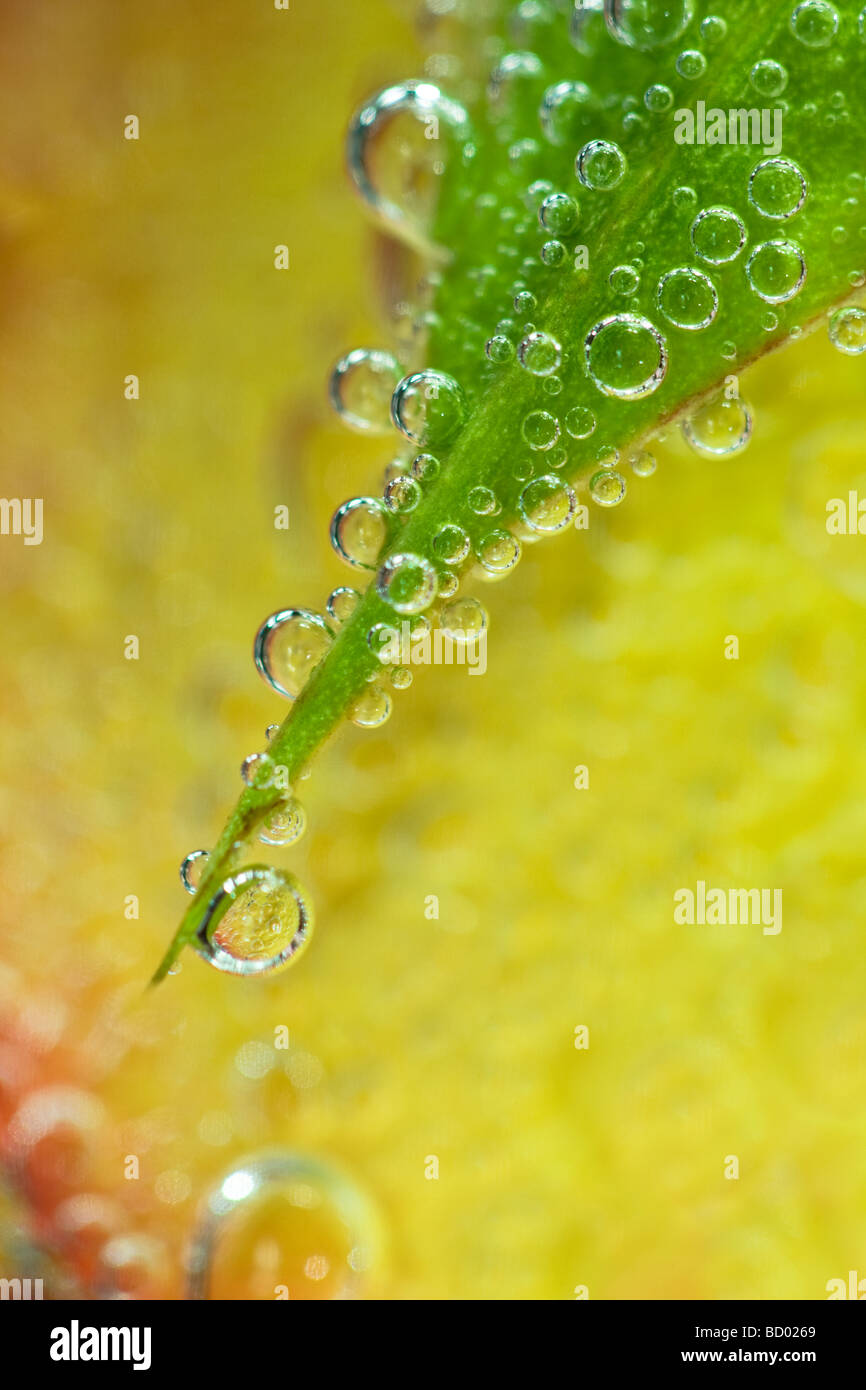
(400, 145)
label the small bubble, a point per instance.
(402, 495)
(847, 330)
(401, 678)
(643, 464)
(285, 825)
(525, 303)
(359, 530)
(499, 349)
(371, 708)
(547, 504)
(776, 270)
(684, 198)
(768, 78)
(720, 428)
(553, 254)
(558, 214)
(258, 922)
(425, 468)
(499, 552)
(192, 870)
(361, 387)
(580, 422)
(777, 188)
(271, 732)
(658, 98)
(648, 24)
(600, 165)
(539, 354)
(257, 769)
(482, 501)
(451, 545)
(540, 429)
(607, 488)
(718, 235)
(463, 620)
(815, 23)
(624, 279)
(289, 646)
(691, 64)
(563, 107)
(713, 28)
(342, 603)
(407, 582)
(626, 356)
(429, 408)
(688, 298)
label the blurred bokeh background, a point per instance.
(443, 1135)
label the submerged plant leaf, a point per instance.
(634, 202)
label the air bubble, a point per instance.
(540, 429)
(342, 603)
(359, 530)
(769, 78)
(688, 298)
(407, 582)
(648, 24)
(499, 349)
(718, 235)
(624, 279)
(429, 408)
(777, 188)
(562, 109)
(282, 1221)
(425, 469)
(600, 165)
(499, 552)
(371, 708)
(192, 870)
(258, 922)
(720, 428)
(847, 330)
(361, 387)
(394, 163)
(285, 825)
(289, 646)
(558, 214)
(815, 23)
(691, 64)
(257, 770)
(626, 356)
(539, 354)
(658, 98)
(643, 464)
(580, 422)
(482, 501)
(607, 488)
(451, 545)
(547, 504)
(402, 495)
(463, 620)
(776, 270)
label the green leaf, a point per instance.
(788, 248)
